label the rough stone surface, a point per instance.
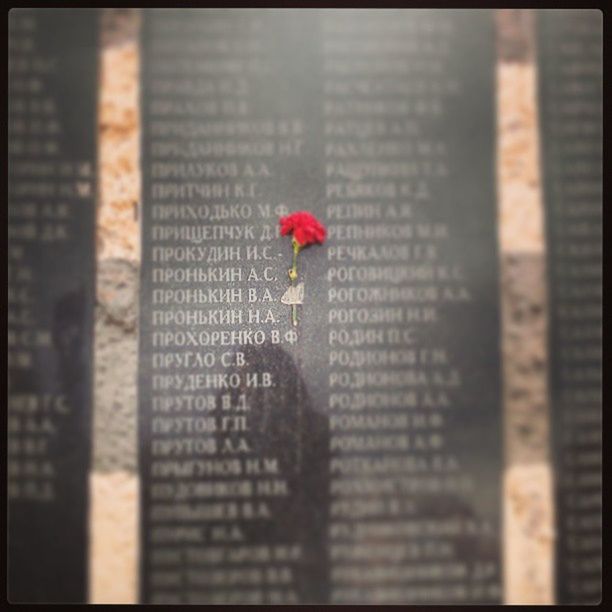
(524, 351)
(119, 196)
(528, 509)
(520, 210)
(116, 349)
(528, 566)
(528, 506)
(113, 566)
(514, 40)
(113, 578)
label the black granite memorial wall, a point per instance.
(51, 263)
(356, 457)
(570, 87)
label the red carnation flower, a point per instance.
(306, 230)
(305, 227)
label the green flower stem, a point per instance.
(296, 250)
(293, 274)
(294, 314)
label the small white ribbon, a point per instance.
(294, 295)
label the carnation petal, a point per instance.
(305, 227)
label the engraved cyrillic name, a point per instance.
(215, 273)
(51, 203)
(333, 461)
(394, 284)
(570, 78)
